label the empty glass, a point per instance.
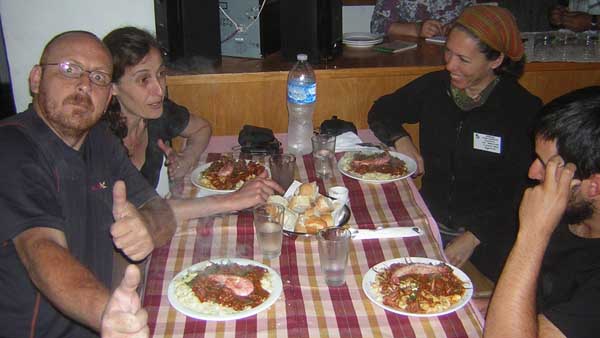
(282, 169)
(324, 154)
(334, 244)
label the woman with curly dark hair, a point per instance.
(141, 114)
(145, 120)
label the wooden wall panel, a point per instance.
(229, 101)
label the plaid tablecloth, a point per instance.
(307, 307)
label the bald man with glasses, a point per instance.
(69, 195)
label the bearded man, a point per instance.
(68, 195)
(550, 285)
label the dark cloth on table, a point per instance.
(45, 183)
(569, 284)
(170, 124)
(466, 187)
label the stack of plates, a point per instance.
(361, 40)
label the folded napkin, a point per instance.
(349, 141)
(391, 232)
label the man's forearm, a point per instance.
(399, 29)
(160, 220)
(64, 281)
(512, 311)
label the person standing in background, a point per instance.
(420, 18)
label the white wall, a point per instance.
(29, 24)
(357, 18)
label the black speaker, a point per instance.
(313, 27)
(188, 28)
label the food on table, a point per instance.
(227, 173)
(307, 211)
(418, 287)
(224, 288)
(374, 166)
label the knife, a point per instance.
(391, 232)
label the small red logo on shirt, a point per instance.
(99, 186)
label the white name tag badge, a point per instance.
(489, 143)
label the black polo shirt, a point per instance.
(45, 183)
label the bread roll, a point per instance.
(299, 204)
(328, 219)
(311, 212)
(314, 224)
(308, 189)
(324, 204)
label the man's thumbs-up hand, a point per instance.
(124, 316)
(130, 232)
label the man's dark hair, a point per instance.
(573, 121)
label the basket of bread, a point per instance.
(307, 211)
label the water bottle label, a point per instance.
(302, 93)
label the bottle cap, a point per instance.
(301, 57)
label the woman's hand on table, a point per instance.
(460, 249)
(405, 146)
(124, 315)
(177, 164)
(254, 192)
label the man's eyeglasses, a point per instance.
(75, 71)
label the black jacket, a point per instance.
(464, 186)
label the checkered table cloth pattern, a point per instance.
(307, 306)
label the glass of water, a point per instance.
(324, 154)
(334, 244)
(268, 224)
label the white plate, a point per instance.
(361, 39)
(275, 293)
(196, 174)
(369, 278)
(411, 165)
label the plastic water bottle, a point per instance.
(301, 99)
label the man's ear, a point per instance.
(35, 77)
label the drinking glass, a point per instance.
(334, 244)
(268, 223)
(282, 169)
(324, 154)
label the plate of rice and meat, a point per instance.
(417, 286)
(224, 289)
(226, 174)
(376, 166)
